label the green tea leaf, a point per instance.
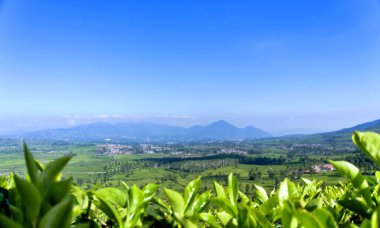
(187, 223)
(243, 217)
(176, 201)
(7, 222)
(127, 190)
(112, 195)
(55, 194)
(369, 143)
(200, 203)
(53, 169)
(313, 204)
(108, 209)
(150, 189)
(30, 197)
(268, 206)
(16, 213)
(365, 224)
(260, 193)
(375, 218)
(288, 217)
(308, 220)
(244, 199)
(59, 215)
(149, 192)
(377, 174)
(210, 219)
(306, 181)
(190, 192)
(224, 217)
(325, 218)
(287, 190)
(225, 205)
(219, 190)
(125, 185)
(31, 165)
(232, 188)
(136, 198)
(356, 206)
(162, 204)
(40, 166)
(258, 219)
(352, 173)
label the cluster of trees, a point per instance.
(192, 165)
(254, 174)
(262, 160)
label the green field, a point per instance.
(88, 168)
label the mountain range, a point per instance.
(219, 130)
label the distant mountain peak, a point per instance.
(221, 123)
(250, 127)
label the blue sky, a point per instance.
(275, 64)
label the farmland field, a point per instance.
(89, 168)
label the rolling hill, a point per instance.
(342, 136)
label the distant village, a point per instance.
(119, 149)
(111, 149)
(322, 168)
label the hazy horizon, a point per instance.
(29, 124)
(275, 65)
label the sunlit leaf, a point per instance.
(260, 194)
(31, 165)
(112, 195)
(150, 189)
(190, 192)
(232, 188)
(108, 209)
(225, 205)
(313, 204)
(210, 219)
(176, 201)
(306, 181)
(369, 143)
(136, 199)
(352, 173)
(219, 190)
(201, 203)
(271, 203)
(224, 217)
(244, 198)
(325, 218)
(375, 219)
(287, 190)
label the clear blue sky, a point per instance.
(275, 64)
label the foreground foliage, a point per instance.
(44, 199)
